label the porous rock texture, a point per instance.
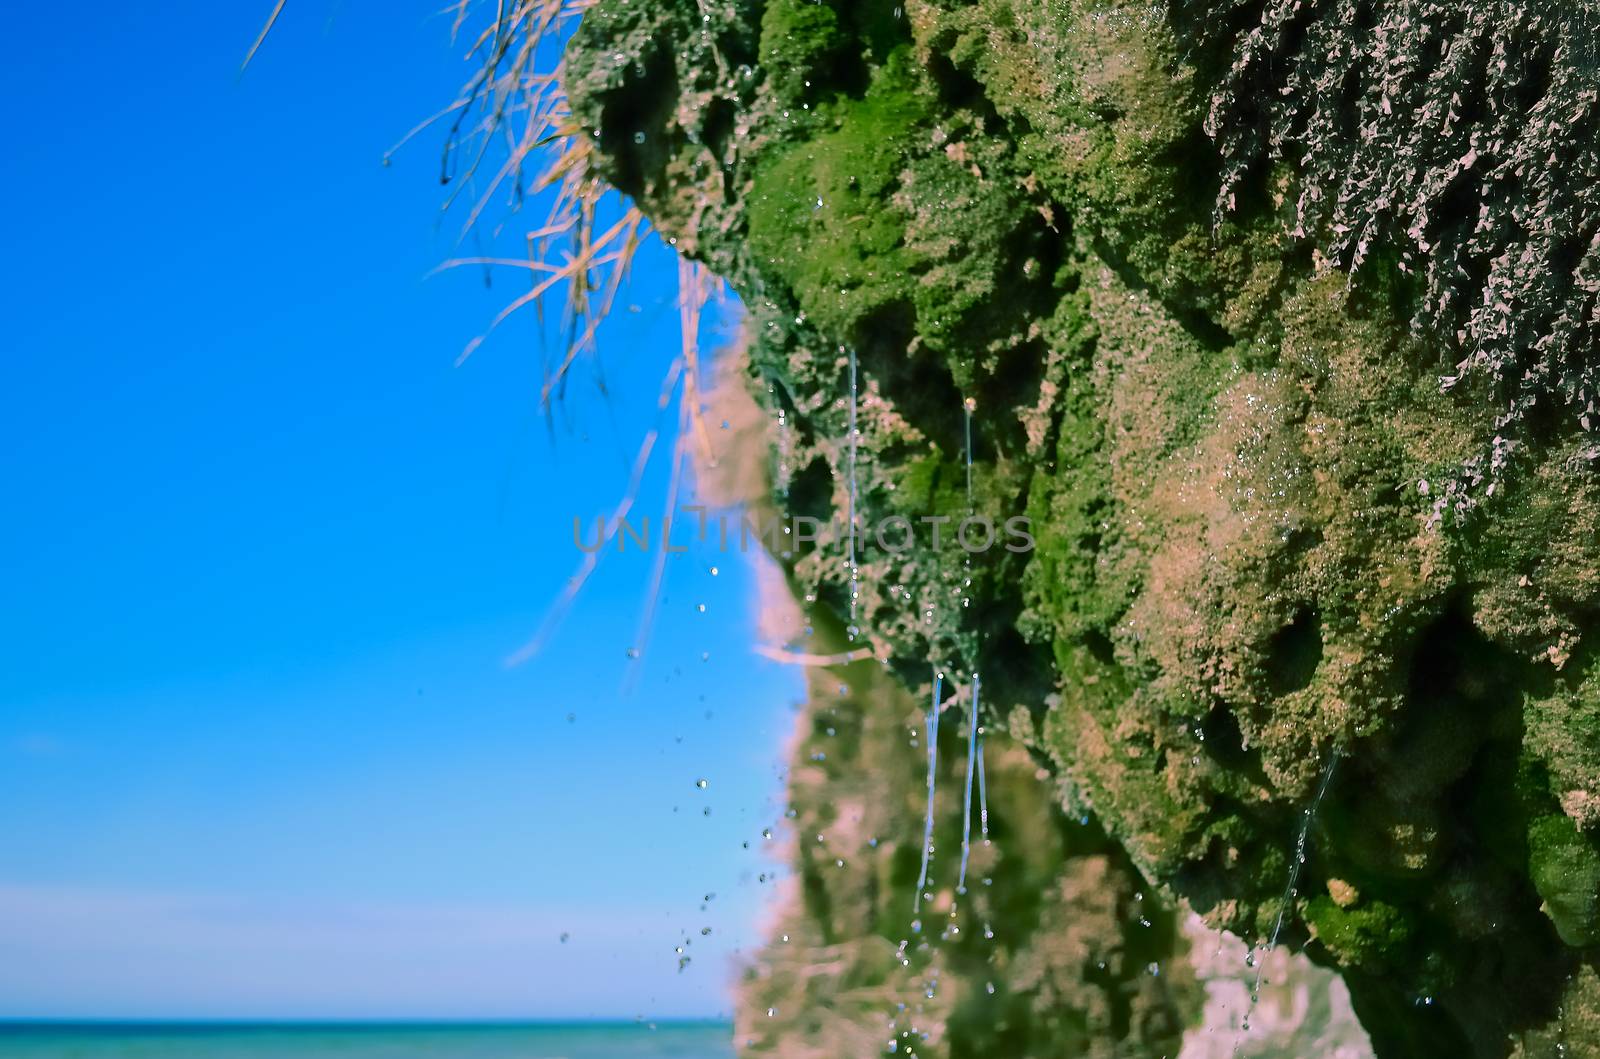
(1278, 319)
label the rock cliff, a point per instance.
(1278, 321)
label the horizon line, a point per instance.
(354, 1022)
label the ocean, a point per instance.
(106, 1040)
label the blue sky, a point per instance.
(266, 550)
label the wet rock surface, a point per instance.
(1230, 435)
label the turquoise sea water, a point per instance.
(375, 1041)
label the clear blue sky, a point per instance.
(265, 549)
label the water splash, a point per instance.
(855, 573)
(1291, 888)
(968, 406)
(983, 795)
(972, 758)
(933, 766)
(784, 444)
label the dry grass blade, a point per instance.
(695, 287)
(272, 20)
(514, 99)
(808, 658)
(512, 127)
(514, 96)
(591, 559)
(658, 568)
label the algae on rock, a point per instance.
(1228, 430)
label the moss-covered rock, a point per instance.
(1229, 433)
(1565, 868)
(1053, 950)
(820, 210)
(1373, 935)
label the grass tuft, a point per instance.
(512, 139)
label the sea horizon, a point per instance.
(354, 1022)
(401, 1038)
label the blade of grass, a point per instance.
(272, 20)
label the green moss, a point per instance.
(1232, 453)
(1565, 869)
(1068, 595)
(803, 48)
(818, 215)
(869, 214)
(1373, 936)
(930, 486)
